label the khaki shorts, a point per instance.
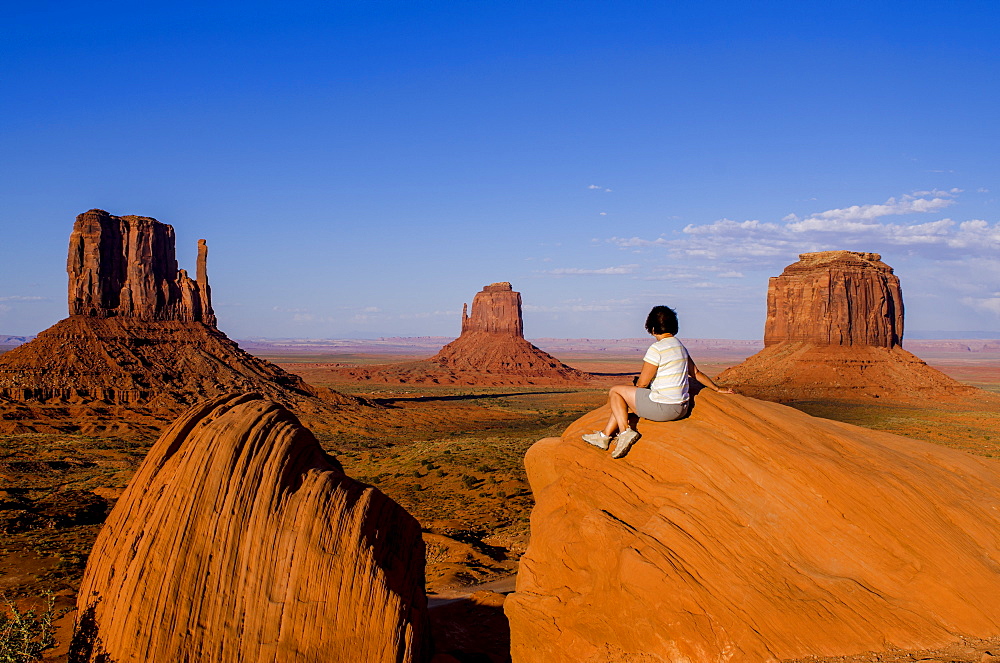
(650, 409)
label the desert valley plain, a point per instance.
(156, 482)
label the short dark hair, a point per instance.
(662, 320)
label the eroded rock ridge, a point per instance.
(753, 532)
(240, 540)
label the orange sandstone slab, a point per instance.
(753, 532)
(239, 539)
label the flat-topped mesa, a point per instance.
(495, 309)
(835, 298)
(125, 266)
(834, 331)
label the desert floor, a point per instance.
(450, 455)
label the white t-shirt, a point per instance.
(670, 385)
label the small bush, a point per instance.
(25, 635)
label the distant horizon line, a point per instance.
(915, 335)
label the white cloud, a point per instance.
(988, 304)
(594, 186)
(574, 271)
(858, 217)
(731, 275)
(21, 298)
(858, 227)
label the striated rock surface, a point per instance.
(833, 332)
(239, 539)
(126, 266)
(490, 351)
(752, 532)
(835, 298)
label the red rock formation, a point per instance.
(239, 539)
(753, 532)
(833, 332)
(165, 364)
(125, 266)
(490, 351)
(141, 335)
(835, 298)
(496, 309)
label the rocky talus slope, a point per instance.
(239, 539)
(833, 332)
(490, 351)
(167, 364)
(752, 532)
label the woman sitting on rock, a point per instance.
(661, 391)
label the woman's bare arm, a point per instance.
(696, 373)
(646, 375)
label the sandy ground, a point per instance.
(449, 455)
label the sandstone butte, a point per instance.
(239, 539)
(491, 350)
(141, 334)
(833, 332)
(753, 532)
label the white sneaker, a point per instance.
(623, 442)
(598, 439)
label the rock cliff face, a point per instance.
(239, 539)
(496, 309)
(833, 332)
(490, 351)
(752, 532)
(125, 266)
(835, 298)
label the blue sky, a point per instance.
(363, 168)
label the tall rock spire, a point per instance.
(204, 290)
(126, 267)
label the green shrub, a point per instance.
(25, 635)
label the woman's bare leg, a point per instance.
(621, 398)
